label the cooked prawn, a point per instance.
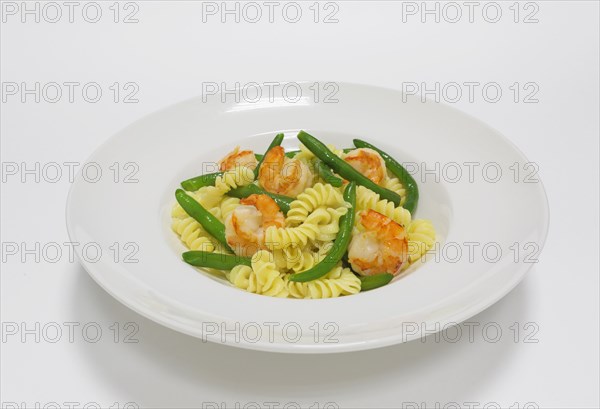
(381, 248)
(368, 162)
(245, 226)
(282, 175)
(238, 158)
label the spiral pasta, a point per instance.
(278, 238)
(305, 154)
(262, 278)
(339, 281)
(308, 157)
(210, 196)
(367, 199)
(318, 195)
(193, 235)
(233, 178)
(207, 196)
(393, 183)
(322, 224)
(421, 237)
(227, 206)
(178, 212)
(338, 152)
(329, 226)
(297, 259)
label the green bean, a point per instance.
(196, 183)
(340, 245)
(291, 154)
(210, 223)
(409, 183)
(375, 281)
(244, 191)
(214, 260)
(276, 142)
(327, 175)
(344, 169)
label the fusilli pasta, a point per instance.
(339, 281)
(262, 278)
(318, 195)
(192, 234)
(329, 226)
(393, 183)
(278, 238)
(210, 196)
(421, 237)
(227, 206)
(236, 177)
(305, 154)
(367, 199)
(294, 258)
(299, 259)
(322, 224)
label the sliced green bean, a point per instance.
(409, 183)
(214, 260)
(327, 175)
(340, 245)
(244, 191)
(344, 169)
(375, 281)
(275, 142)
(210, 223)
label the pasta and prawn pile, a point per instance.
(314, 223)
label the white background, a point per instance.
(169, 53)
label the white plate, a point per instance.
(171, 145)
